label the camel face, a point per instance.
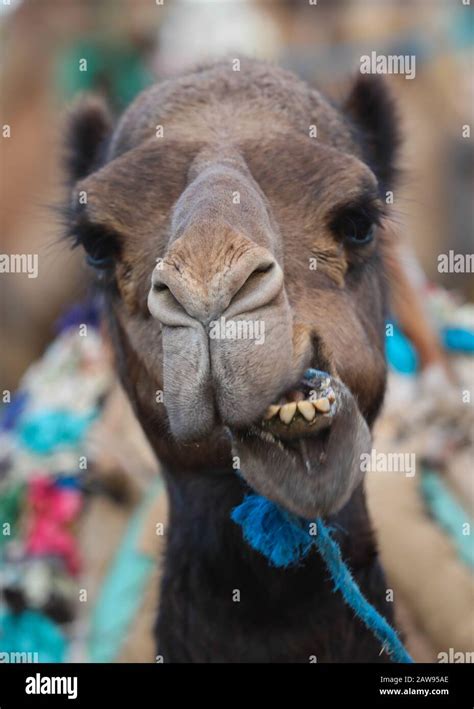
(237, 219)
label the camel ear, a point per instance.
(372, 110)
(88, 129)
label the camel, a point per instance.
(238, 194)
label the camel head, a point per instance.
(235, 220)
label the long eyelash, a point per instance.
(371, 211)
(94, 238)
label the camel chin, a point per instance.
(305, 453)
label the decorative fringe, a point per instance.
(285, 539)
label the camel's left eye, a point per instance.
(101, 246)
(360, 236)
(355, 228)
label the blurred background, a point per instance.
(73, 529)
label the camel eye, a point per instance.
(355, 228)
(100, 253)
(100, 246)
(360, 237)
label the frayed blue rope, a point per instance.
(344, 582)
(285, 539)
(272, 531)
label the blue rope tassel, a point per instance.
(285, 539)
(271, 530)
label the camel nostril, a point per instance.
(261, 287)
(248, 283)
(265, 268)
(165, 307)
(254, 282)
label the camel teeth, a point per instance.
(306, 409)
(287, 412)
(271, 412)
(322, 405)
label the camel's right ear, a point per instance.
(373, 111)
(88, 129)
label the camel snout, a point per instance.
(237, 286)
